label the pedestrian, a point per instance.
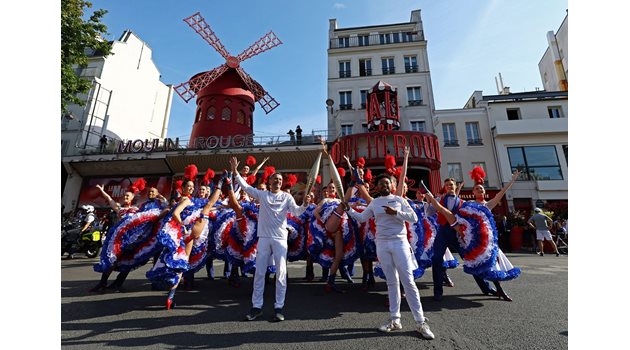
(298, 134)
(102, 143)
(272, 237)
(542, 223)
(291, 136)
(390, 213)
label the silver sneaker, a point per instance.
(425, 331)
(390, 326)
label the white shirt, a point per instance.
(388, 227)
(272, 217)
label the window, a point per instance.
(513, 113)
(344, 69)
(408, 36)
(535, 162)
(411, 64)
(483, 166)
(455, 171)
(385, 38)
(364, 98)
(450, 137)
(345, 99)
(364, 40)
(414, 98)
(365, 67)
(472, 133)
(240, 117)
(211, 113)
(344, 41)
(198, 116)
(226, 113)
(418, 125)
(346, 129)
(388, 65)
(396, 37)
(554, 112)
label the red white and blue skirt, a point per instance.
(322, 248)
(131, 242)
(299, 232)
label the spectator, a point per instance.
(542, 223)
(298, 133)
(102, 143)
(291, 136)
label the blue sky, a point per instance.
(469, 43)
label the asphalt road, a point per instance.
(211, 315)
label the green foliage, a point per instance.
(77, 35)
(516, 218)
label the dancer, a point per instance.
(272, 237)
(447, 238)
(394, 252)
(491, 264)
(478, 174)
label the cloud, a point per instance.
(339, 5)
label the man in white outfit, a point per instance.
(272, 238)
(394, 253)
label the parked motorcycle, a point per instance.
(73, 241)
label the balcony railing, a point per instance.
(345, 74)
(389, 70)
(475, 142)
(374, 39)
(345, 106)
(415, 102)
(451, 143)
(411, 68)
(365, 72)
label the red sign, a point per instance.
(116, 188)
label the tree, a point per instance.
(77, 36)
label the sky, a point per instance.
(469, 44)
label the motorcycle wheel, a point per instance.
(92, 251)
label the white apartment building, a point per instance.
(359, 57)
(127, 99)
(554, 65)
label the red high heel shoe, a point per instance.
(170, 304)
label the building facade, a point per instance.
(554, 64)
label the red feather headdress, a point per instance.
(208, 176)
(251, 161)
(138, 186)
(190, 172)
(477, 175)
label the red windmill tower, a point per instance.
(225, 94)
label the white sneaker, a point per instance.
(423, 328)
(390, 326)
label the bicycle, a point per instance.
(562, 242)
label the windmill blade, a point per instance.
(267, 42)
(189, 89)
(202, 28)
(266, 102)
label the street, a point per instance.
(211, 315)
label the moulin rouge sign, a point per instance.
(423, 147)
(212, 142)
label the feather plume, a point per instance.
(251, 180)
(361, 162)
(342, 172)
(138, 185)
(190, 172)
(251, 161)
(390, 162)
(477, 175)
(208, 176)
(318, 179)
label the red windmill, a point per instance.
(225, 94)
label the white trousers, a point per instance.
(397, 262)
(265, 249)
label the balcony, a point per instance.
(345, 106)
(451, 143)
(374, 39)
(415, 102)
(365, 72)
(475, 142)
(531, 126)
(411, 68)
(389, 70)
(345, 74)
